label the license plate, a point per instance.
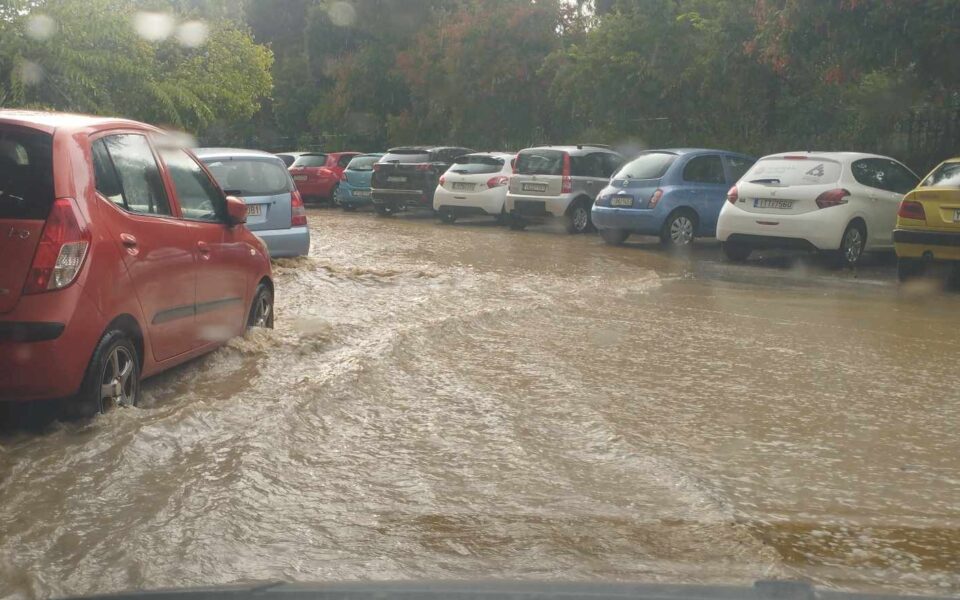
(254, 210)
(956, 215)
(534, 187)
(397, 179)
(772, 203)
(621, 201)
(361, 193)
(299, 177)
(463, 186)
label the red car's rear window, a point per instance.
(26, 173)
(310, 160)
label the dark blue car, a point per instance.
(675, 194)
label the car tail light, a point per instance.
(911, 209)
(733, 195)
(376, 166)
(832, 198)
(298, 214)
(497, 181)
(513, 164)
(343, 175)
(443, 180)
(62, 248)
(655, 198)
(424, 167)
(566, 186)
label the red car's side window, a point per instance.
(126, 173)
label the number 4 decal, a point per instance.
(817, 171)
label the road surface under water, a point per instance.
(466, 402)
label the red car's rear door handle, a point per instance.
(128, 240)
(203, 248)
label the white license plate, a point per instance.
(254, 210)
(621, 201)
(463, 186)
(534, 187)
(299, 177)
(956, 215)
(397, 179)
(361, 193)
(772, 203)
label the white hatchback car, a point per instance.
(826, 201)
(476, 184)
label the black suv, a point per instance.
(406, 177)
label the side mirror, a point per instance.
(236, 211)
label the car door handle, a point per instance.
(203, 247)
(128, 240)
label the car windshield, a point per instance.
(250, 177)
(540, 162)
(310, 160)
(794, 171)
(546, 296)
(26, 183)
(362, 163)
(946, 175)
(652, 165)
(477, 164)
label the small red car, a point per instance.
(120, 257)
(317, 174)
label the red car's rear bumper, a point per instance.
(46, 343)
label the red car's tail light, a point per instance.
(733, 195)
(655, 198)
(61, 251)
(298, 214)
(566, 185)
(832, 198)
(911, 209)
(497, 181)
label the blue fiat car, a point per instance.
(354, 189)
(675, 194)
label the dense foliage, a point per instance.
(750, 75)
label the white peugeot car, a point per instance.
(475, 184)
(826, 201)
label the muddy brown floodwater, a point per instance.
(466, 402)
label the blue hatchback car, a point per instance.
(675, 194)
(354, 189)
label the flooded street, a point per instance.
(467, 402)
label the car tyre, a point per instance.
(447, 217)
(578, 217)
(679, 230)
(736, 251)
(614, 237)
(335, 195)
(261, 310)
(383, 210)
(516, 223)
(852, 243)
(112, 377)
(909, 268)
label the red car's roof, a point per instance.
(49, 121)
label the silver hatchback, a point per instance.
(559, 182)
(275, 211)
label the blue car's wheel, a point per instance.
(679, 229)
(614, 237)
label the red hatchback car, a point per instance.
(317, 174)
(120, 257)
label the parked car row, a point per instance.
(843, 203)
